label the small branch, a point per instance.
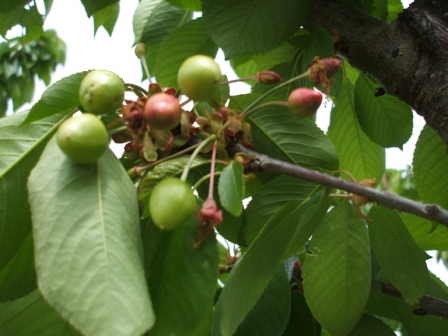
(428, 305)
(265, 163)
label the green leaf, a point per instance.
(32, 316)
(192, 5)
(430, 165)
(93, 6)
(62, 96)
(248, 280)
(154, 20)
(414, 325)
(182, 280)
(9, 5)
(336, 276)
(188, 40)
(284, 136)
(88, 250)
(270, 198)
(301, 318)
(230, 188)
(371, 326)
(270, 314)
(20, 148)
(424, 233)
(168, 168)
(398, 255)
(394, 7)
(106, 17)
(357, 153)
(10, 19)
(236, 26)
(385, 119)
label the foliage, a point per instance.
(80, 254)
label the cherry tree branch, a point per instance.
(264, 163)
(428, 305)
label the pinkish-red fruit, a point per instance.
(304, 102)
(162, 111)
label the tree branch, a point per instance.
(428, 305)
(265, 163)
(407, 56)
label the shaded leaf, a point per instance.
(236, 26)
(20, 148)
(230, 188)
(371, 326)
(301, 321)
(336, 276)
(270, 314)
(9, 5)
(182, 280)
(62, 96)
(357, 153)
(385, 119)
(93, 6)
(87, 244)
(398, 255)
(32, 316)
(192, 5)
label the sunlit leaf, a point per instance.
(236, 26)
(385, 119)
(336, 273)
(398, 255)
(93, 6)
(62, 96)
(248, 280)
(357, 153)
(106, 17)
(230, 188)
(88, 251)
(188, 40)
(430, 165)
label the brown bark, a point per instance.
(408, 56)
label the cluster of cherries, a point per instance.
(156, 125)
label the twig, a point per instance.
(265, 163)
(428, 305)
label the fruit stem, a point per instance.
(145, 66)
(194, 154)
(136, 89)
(243, 79)
(118, 130)
(275, 88)
(212, 171)
(262, 106)
(203, 179)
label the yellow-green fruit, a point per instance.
(199, 77)
(101, 92)
(83, 139)
(171, 203)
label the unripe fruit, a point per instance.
(171, 203)
(101, 92)
(140, 50)
(162, 111)
(83, 139)
(304, 102)
(199, 77)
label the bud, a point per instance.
(268, 77)
(323, 70)
(140, 50)
(304, 102)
